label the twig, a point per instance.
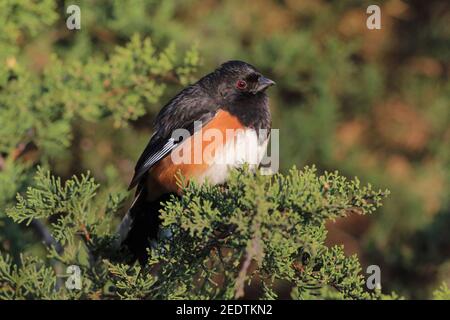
(254, 250)
(42, 230)
(46, 236)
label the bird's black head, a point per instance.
(235, 79)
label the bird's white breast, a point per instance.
(245, 147)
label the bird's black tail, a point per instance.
(140, 226)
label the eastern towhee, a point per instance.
(226, 114)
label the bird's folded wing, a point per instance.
(161, 144)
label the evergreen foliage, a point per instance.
(215, 241)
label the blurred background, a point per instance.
(369, 103)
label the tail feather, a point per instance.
(140, 226)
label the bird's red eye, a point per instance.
(241, 84)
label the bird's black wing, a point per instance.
(189, 106)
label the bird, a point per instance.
(230, 104)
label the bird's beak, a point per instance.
(264, 83)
